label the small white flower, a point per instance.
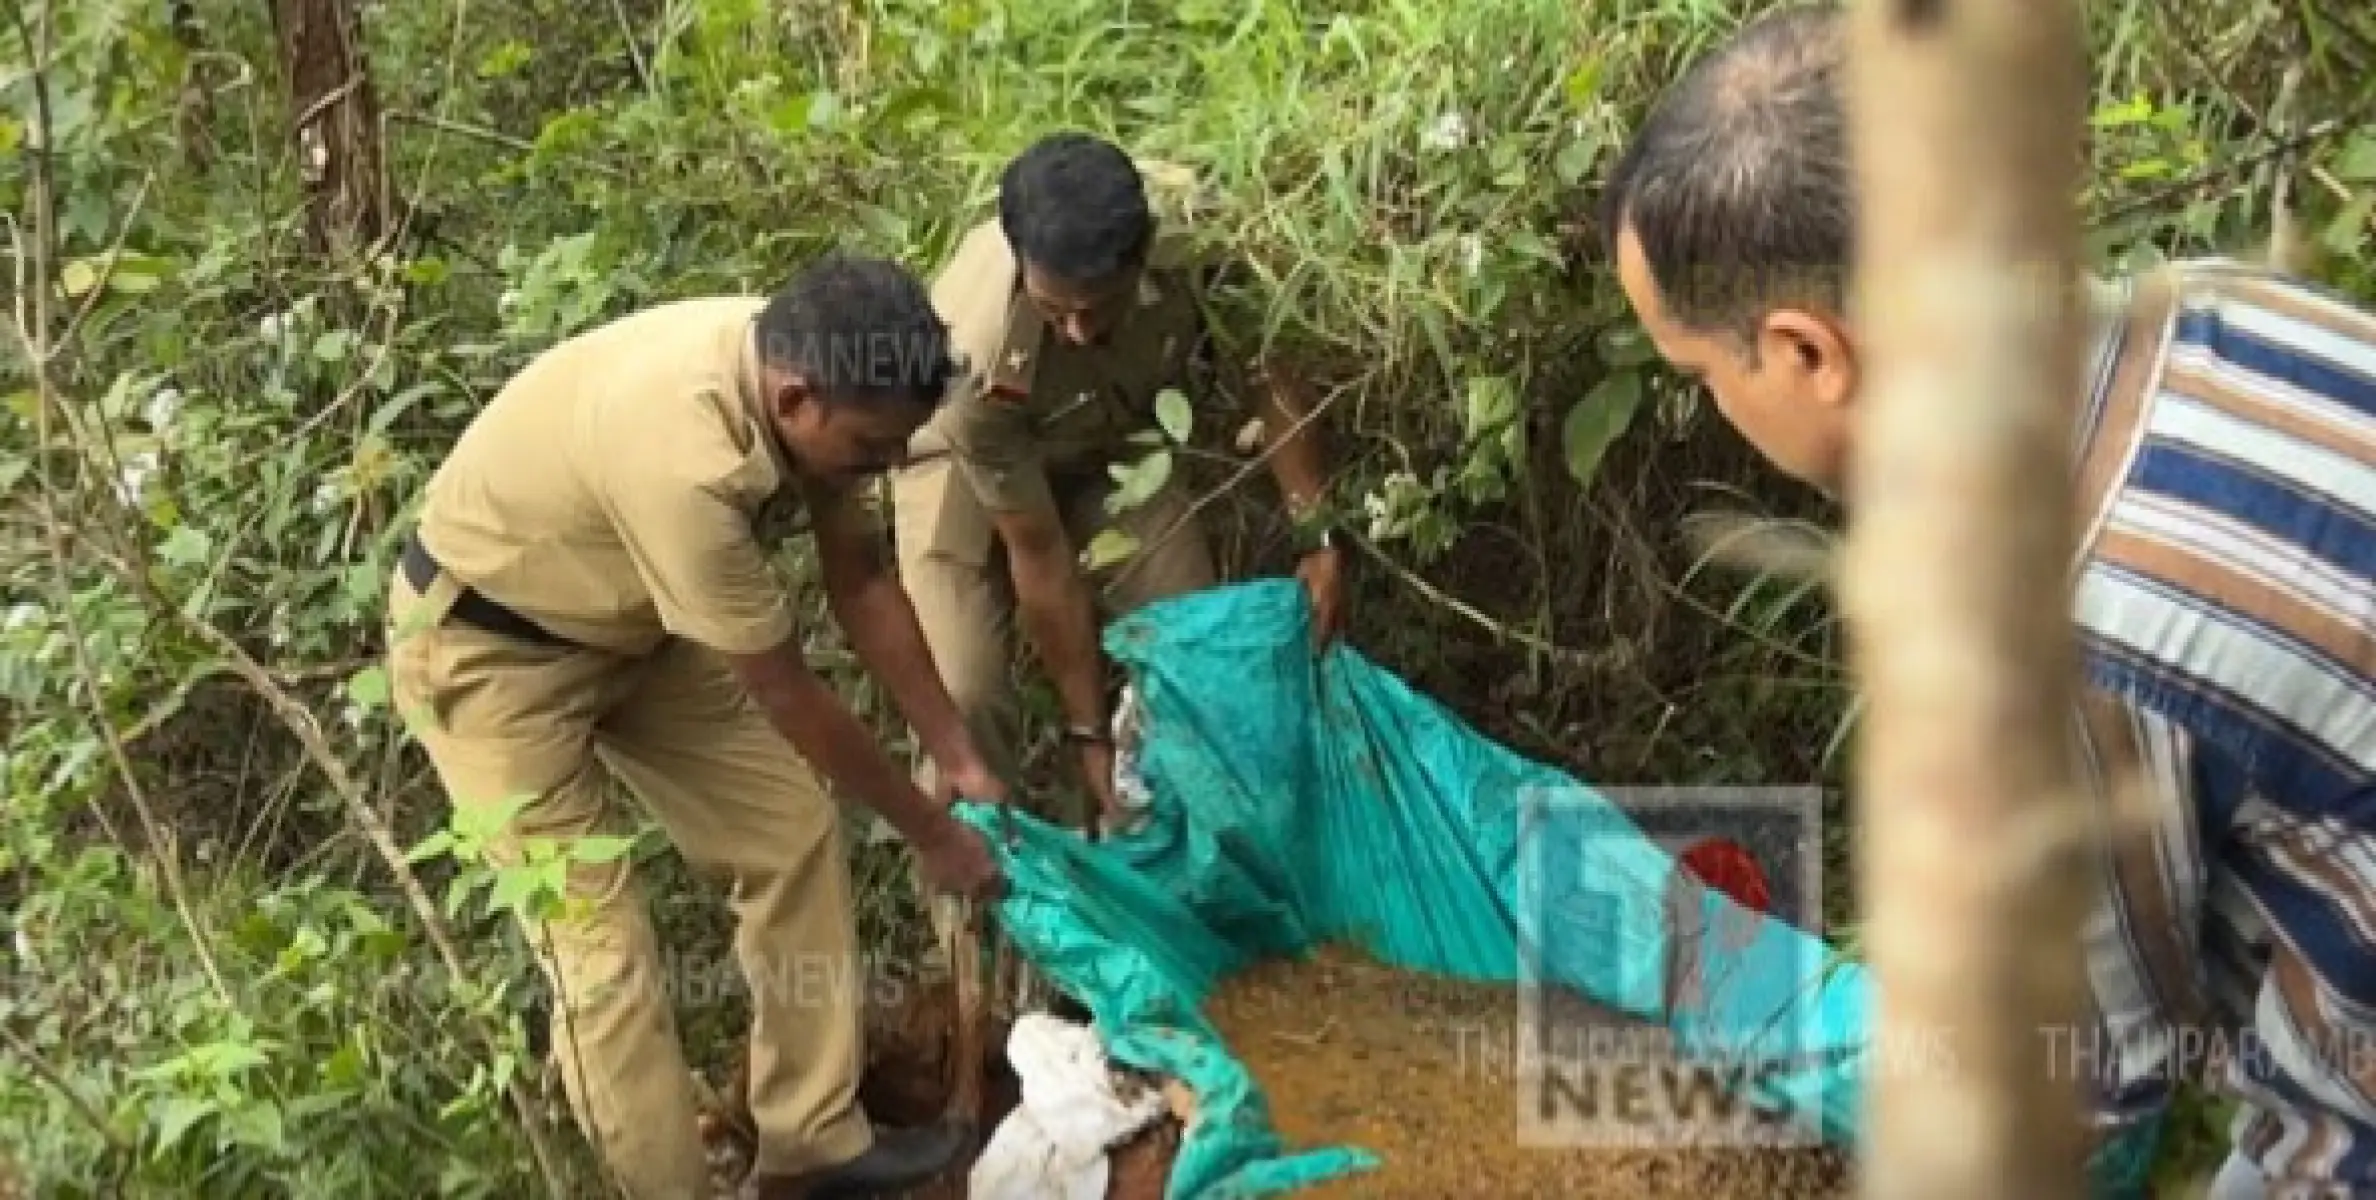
(1472, 252)
(326, 496)
(132, 481)
(509, 300)
(1450, 132)
(162, 408)
(22, 616)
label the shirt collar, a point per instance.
(750, 390)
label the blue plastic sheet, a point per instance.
(1300, 801)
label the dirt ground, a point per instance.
(1416, 1070)
(1421, 1072)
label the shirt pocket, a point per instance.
(1080, 418)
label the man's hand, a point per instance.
(1097, 771)
(955, 859)
(1323, 574)
(972, 781)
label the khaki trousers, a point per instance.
(502, 719)
(956, 577)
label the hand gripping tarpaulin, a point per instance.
(1296, 801)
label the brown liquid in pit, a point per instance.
(1419, 1071)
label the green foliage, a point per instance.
(243, 426)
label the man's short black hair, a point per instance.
(1738, 186)
(858, 328)
(1073, 205)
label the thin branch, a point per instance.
(300, 722)
(2227, 170)
(50, 1075)
(493, 137)
(35, 261)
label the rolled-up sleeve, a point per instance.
(681, 500)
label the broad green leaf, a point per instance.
(1492, 403)
(1140, 481)
(2133, 112)
(345, 1068)
(79, 277)
(368, 688)
(2357, 162)
(1109, 547)
(257, 1124)
(1626, 346)
(1172, 411)
(1583, 85)
(514, 889)
(505, 60)
(1575, 159)
(186, 546)
(2348, 232)
(1597, 420)
(177, 1116)
(600, 849)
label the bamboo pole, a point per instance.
(1965, 120)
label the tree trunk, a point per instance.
(1966, 119)
(336, 123)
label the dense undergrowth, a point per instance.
(218, 986)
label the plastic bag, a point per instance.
(1053, 1146)
(1290, 801)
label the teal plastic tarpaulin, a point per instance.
(1299, 801)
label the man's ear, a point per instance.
(1814, 348)
(786, 395)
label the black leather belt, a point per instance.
(470, 608)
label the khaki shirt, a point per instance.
(625, 487)
(1029, 412)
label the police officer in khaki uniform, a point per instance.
(589, 598)
(1071, 314)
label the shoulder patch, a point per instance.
(1018, 354)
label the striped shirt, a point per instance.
(2226, 613)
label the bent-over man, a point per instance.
(2225, 599)
(1074, 313)
(589, 598)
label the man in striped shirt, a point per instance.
(2225, 602)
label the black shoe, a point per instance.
(899, 1160)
